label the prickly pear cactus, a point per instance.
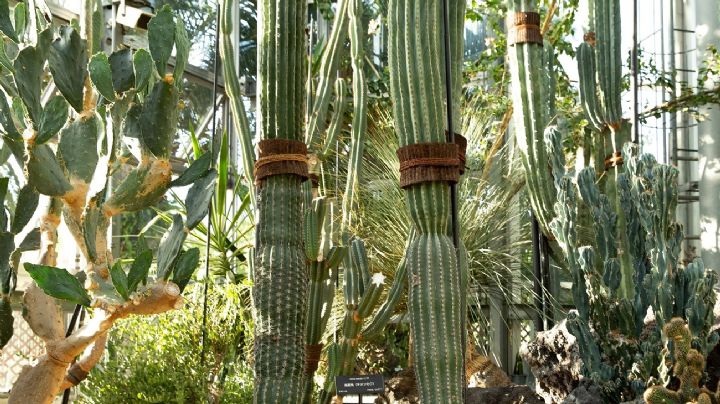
(103, 102)
(12, 228)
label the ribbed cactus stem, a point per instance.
(529, 100)
(359, 125)
(237, 105)
(327, 74)
(415, 58)
(280, 278)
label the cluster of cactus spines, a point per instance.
(280, 270)
(327, 73)
(232, 87)
(689, 367)
(361, 292)
(434, 276)
(529, 85)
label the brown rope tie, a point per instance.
(428, 162)
(524, 27)
(614, 160)
(312, 357)
(590, 38)
(281, 157)
(76, 374)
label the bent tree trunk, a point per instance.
(416, 78)
(280, 278)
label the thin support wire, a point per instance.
(216, 66)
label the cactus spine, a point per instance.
(415, 57)
(280, 288)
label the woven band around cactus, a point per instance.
(614, 160)
(279, 157)
(461, 141)
(428, 162)
(524, 27)
(312, 357)
(76, 374)
(590, 38)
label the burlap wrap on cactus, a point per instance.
(614, 160)
(76, 374)
(461, 141)
(590, 38)
(428, 162)
(312, 357)
(524, 27)
(281, 156)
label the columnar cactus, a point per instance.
(529, 85)
(415, 58)
(280, 278)
(141, 101)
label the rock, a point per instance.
(585, 393)
(402, 388)
(503, 395)
(554, 358)
(483, 372)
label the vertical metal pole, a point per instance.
(212, 164)
(547, 286)
(635, 76)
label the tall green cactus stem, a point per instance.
(280, 288)
(529, 99)
(237, 106)
(327, 74)
(362, 293)
(415, 58)
(324, 261)
(337, 118)
(359, 125)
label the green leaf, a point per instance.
(182, 52)
(198, 199)
(6, 322)
(58, 283)
(5, 24)
(25, 208)
(197, 151)
(161, 37)
(121, 64)
(20, 15)
(45, 39)
(223, 171)
(54, 117)
(101, 75)
(7, 246)
(5, 59)
(19, 113)
(68, 61)
(119, 279)
(78, 147)
(45, 173)
(139, 270)
(143, 65)
(6, 118)
(170, 248)
(31, 242)
(28, 73)
(185, 266)
(197, 169)
(92, 218)
(158, 121)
